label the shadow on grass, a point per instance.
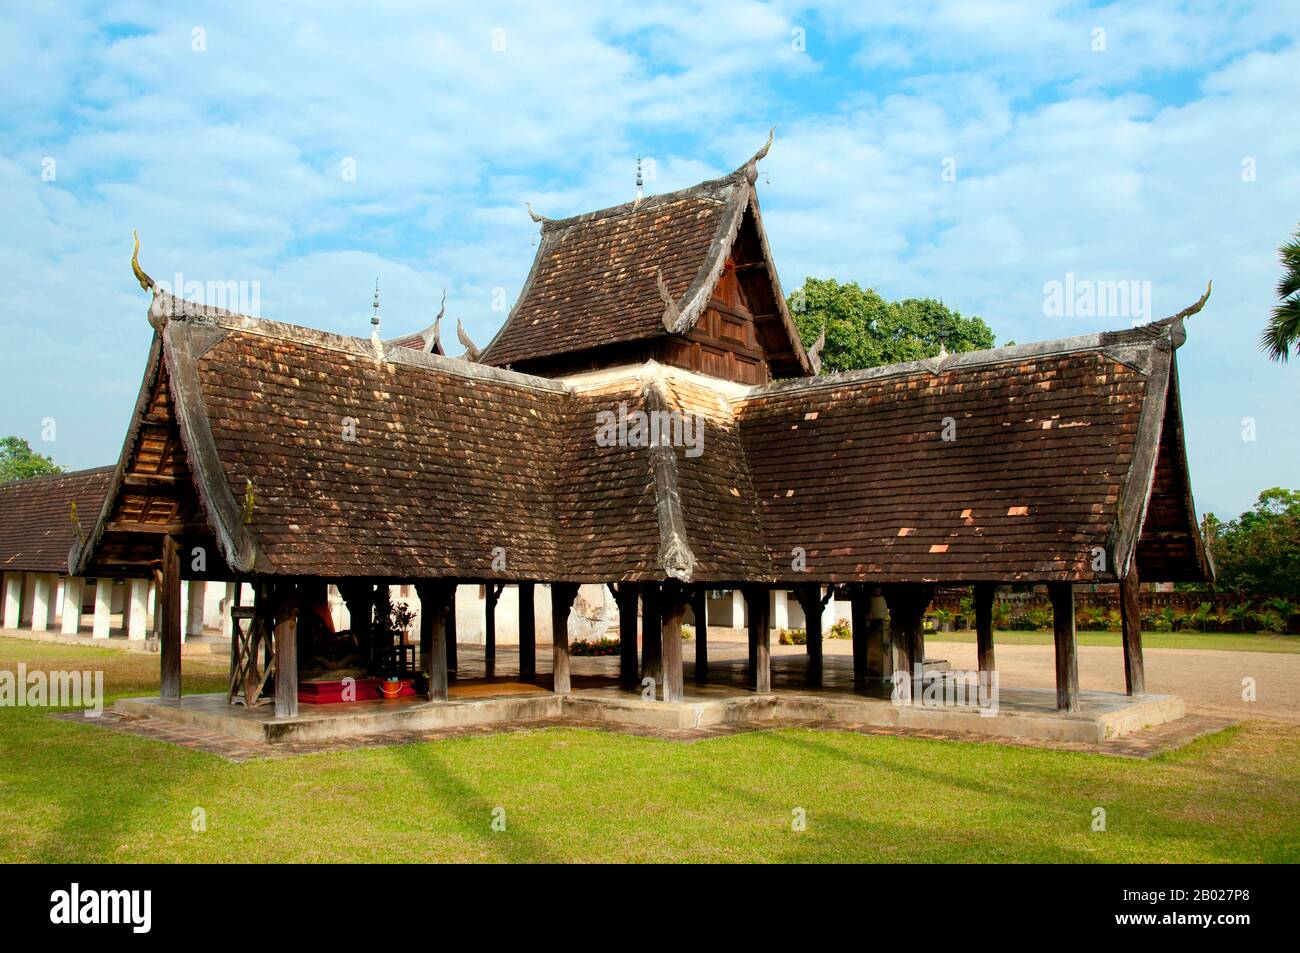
(471, 811)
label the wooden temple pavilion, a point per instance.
(291, 458)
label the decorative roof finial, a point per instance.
(671, 313)
(434, 345)
(751, 167)
(147, 283)
(374, 318)
(471, 352)
(534, 216)
(815, 352)
(640, 194)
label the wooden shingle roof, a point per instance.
(36, 529)
(595, 281)
(314, 454)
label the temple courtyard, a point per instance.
(1218, 784)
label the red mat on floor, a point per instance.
(367, 689)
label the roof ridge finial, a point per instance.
(640, 193)
(374, 325)
(147, 283)
(750, 168)
(471, 351)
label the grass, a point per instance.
(77, 793)
(1213, 641)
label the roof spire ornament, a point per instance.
(640, 193)
(815, 352)
(471, 352)
(435, 337)
(750, 168)
(147, 283)
(375, 341)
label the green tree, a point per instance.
(1283, 331)
(18, 461)
(1259, 551)
(865, 330)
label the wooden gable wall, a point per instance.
(740, 336)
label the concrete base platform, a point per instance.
(1023, 713)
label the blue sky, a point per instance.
(1103, 141)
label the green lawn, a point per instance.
(74, 792)
(1218, 641)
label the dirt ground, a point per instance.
(1210, 682)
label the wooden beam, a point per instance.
(562, 596)
(1067, 661)
(286, 658)
(154, 529)
(860, 619)
(983, 596)
(673, 606)
(700, 610)
(160, 481)
(169, 608)
(626, 596)
(435, 596)
(1130, 604)
(527, 634)
(756, 608)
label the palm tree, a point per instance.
(1283, 330)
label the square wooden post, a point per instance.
(527, 634)
(652, 638)
(170, 613)
(491, 593)
(562, 596)
(700, 610)
(286, 655)
(1130, 605)
(451, 633)
(756, 608)
(880, 654)
(810, 599)
(983, 596)
(434, 598)
(674, 610)
(1067, 662)
(626, 596)
(859, 619)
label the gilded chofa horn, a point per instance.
(147, 283)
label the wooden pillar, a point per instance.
(860, 614)
(1067, 662)
(434, 598)
(286, 656)
(673, 607)
(169, 611)
(562, 596)
(810, 599)
(626, 597)
(880, 653)
(43, 601)
(491, 593)
(983, 594)
(1130, 604)
(756, 608)
(452, 630)
(744, 612)
(907, 603)
(527, 634)
(196, 591)
(700, 609)
(13, 599)
(652, 639)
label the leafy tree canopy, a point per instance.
(865, 330)
(1259, 551)
(18, 461)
